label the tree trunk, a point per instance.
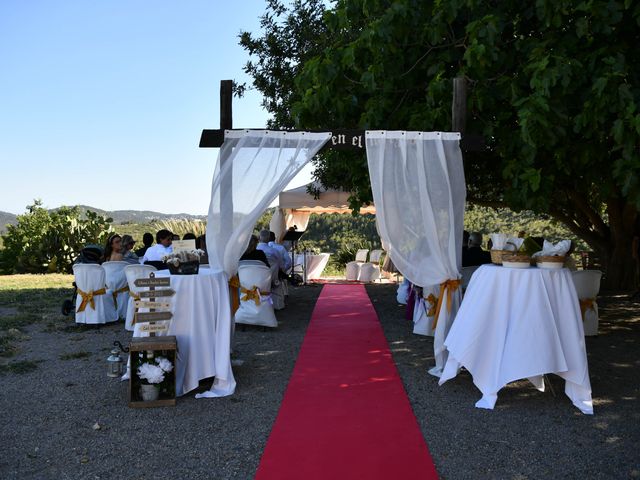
(617, 257)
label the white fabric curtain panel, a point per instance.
(417, 180)
(253, 167)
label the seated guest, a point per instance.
(127, 250)
(201, 244)
(272, 254)
(160, 249)
(189, 236)
(147, 240)
(285, 258)
(113, 249)
(175, 236)
(252, 253)
(475, 255)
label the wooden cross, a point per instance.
(343, 139)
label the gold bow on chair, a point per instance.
(449, 286)
(586, 304)
(87, 297)
(433, 301)
(116, 292)
(253, 294)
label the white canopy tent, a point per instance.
(296, 205)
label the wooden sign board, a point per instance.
(149, 304)
(153, 282)
(154, 328)
(152, 316)
(157, 293)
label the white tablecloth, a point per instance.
(314, 264)
(202, 325)
(520, 323)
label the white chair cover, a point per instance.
(353, 268)
(133, 272)
(370, 272)
(423, 311)
(587, 284)
(402, 296)
(117, 285)
(91, 280)
(252, 276)
(417, 181)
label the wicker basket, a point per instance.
(184, 268)
(496, 256)
(515, 257)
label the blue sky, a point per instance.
(102, 102)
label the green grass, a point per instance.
(76, 355)
(29, 299)
(20, 368)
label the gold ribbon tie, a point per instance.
(253, 294)
(448, 286)
(586, 304)
(234, 285)
(433, 301)
(116, 292)
(87, 298)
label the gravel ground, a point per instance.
(48, 415)
(529, 434)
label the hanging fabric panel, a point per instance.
(253, 167)
(419, 191)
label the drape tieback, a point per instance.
(448, 286)
(116, 292)
(134, 295)
(586, 304)
(253, 294)
(433, 301)
(234, 284)
(87, 297)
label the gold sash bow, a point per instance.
(586, 304)
(116, 292)
(448, 286)
(87, 297)
(433, 301)
(253, 294)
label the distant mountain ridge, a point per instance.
(119, 216)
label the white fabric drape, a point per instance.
(297, 219)
(419, 191)
(253, 167)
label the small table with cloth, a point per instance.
(201, 324)
(520, 323)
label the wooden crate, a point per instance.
(164, 346)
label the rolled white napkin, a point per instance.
(514, 241)
(550, 249)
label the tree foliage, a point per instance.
(45, 241)
(554, 91)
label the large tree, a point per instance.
(554, 91)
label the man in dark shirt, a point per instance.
(147, 240)
(475, 255)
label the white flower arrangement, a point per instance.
(183, 256)
(154, 373)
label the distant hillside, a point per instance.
(5, 218)
(119, 216)
(140, 216)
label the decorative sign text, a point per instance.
(152, 316)
(147, 304)
(153, 282)
(157, 293)
(154, 328)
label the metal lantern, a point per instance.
(114, 364)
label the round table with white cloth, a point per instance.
(201, 324)
(314, 264)
(520, 323)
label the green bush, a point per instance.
(44, 241)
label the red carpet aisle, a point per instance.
(345, 414)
